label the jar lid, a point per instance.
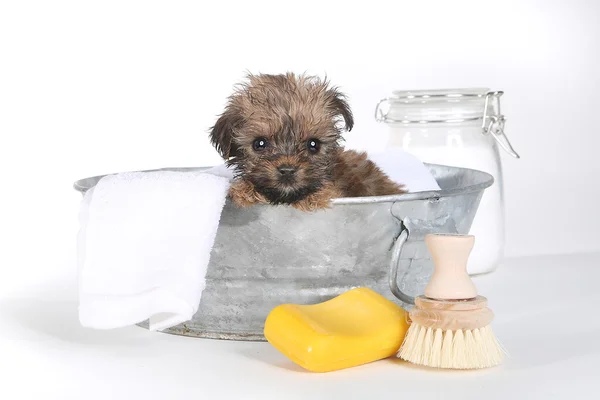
(431, 106)
(447, 106)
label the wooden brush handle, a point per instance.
(450, 280)
(426, 303)
(452, 319)
(451, 314)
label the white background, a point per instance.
(89, 88)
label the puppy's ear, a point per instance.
(222, 133)
(340, 107)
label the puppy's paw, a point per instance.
(243, 194)
(319, 200)
(309, 205)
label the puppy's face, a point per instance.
(281, 134)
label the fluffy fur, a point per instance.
(282, 134)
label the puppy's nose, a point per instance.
(287, 170)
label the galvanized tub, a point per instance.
(267, 255)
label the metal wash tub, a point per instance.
(266, 255)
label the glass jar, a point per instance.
(461, 128)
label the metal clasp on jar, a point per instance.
(493, 122)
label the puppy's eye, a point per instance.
(259, 144)
(313, 145)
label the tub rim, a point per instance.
(486, 180)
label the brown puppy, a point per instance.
(281, 134)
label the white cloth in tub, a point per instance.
(406, 169)
(144, 245)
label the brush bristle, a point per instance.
(460, 349)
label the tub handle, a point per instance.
(394, 263)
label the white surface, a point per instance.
(553, 341)
(94, 87)
(144, 245)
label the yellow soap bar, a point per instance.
(354, 328)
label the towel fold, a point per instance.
(144, 245)
(404, 168)
(145, 240)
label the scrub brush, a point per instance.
(450, 324)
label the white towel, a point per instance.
(144, 245)
(403, 167)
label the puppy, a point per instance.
(281, 134)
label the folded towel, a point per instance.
(405, 168)
(144, 245)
